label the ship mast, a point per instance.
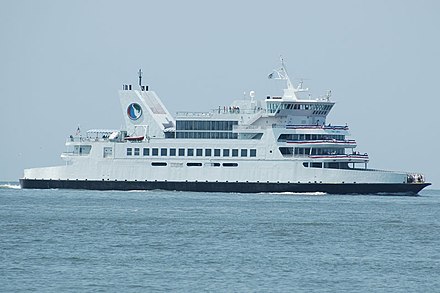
(140, 77)
(281, 74)
(285, 76)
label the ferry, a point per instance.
(281, 144)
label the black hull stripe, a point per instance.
(239, 187)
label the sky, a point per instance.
(62, 63)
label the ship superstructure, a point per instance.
(282, 143)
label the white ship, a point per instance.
(282, 143)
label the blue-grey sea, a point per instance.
(160, 241)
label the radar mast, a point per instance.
(140, 77)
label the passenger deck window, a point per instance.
(136, 151)
(190, 152)
(181, 152)
(216, 152)
(230, 165)
(243, 153)
(155, 152)
(253, 153)
(163, 152)
(199, 152)
(315, 165)
(146, 152)
(225, 152)
(172, 152)
(235, 152)
(207, 152)
(129, 151)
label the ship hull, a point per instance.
(235, 187)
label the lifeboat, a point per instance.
(134, 138)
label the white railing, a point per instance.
(322, 141)
(194, 114)
(220, 111)
(343, 156)
(248, 127)
(85, 139)
(325, 127)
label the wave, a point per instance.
(298, 193)
(10, 186)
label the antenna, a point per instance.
(328, 94)
(282, 61)
(140, 77)
(281, 74)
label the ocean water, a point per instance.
(160, 241)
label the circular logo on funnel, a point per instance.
(134, 111)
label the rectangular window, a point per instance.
(243, 153)
(190, 152)
(108, 152)
(129, 151)
(230, 165)
(136, 151)
(286, 151)
(146, 152)
(216, 152)
(163, 152)
(235, 152)
(199, 152)
(181, 152)
(194, 164)
(253, 153)
(225, 153)
(172, 152)
(332, 165)
(207, 152)
(155, 152)
(316, 165)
